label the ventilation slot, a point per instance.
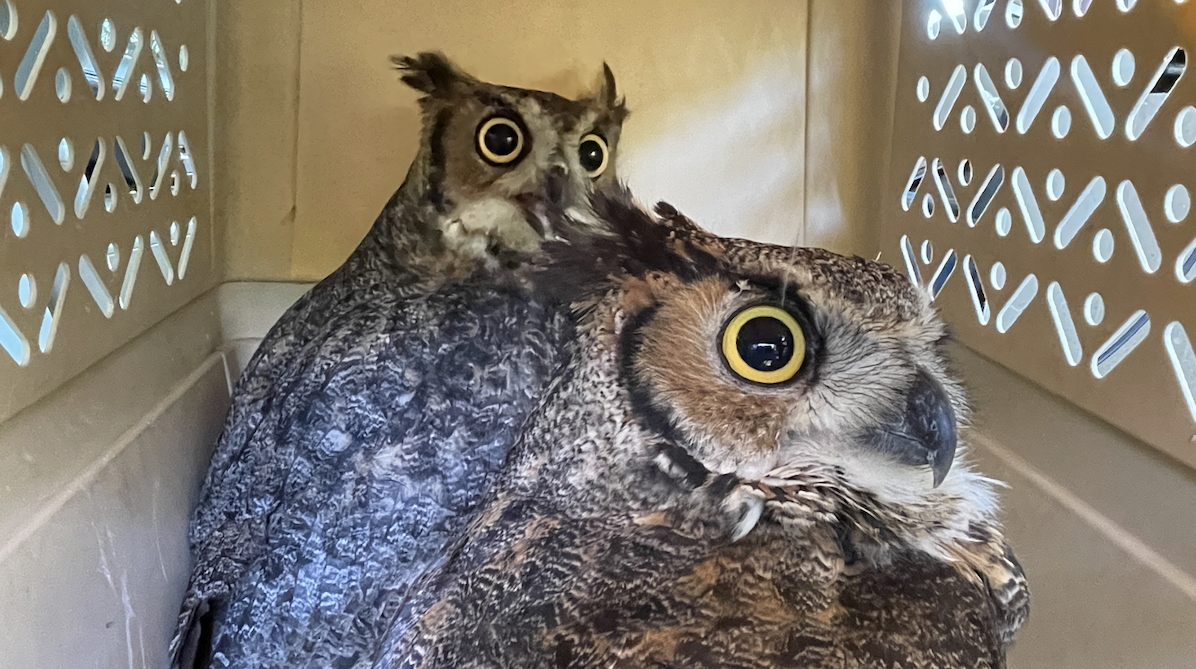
(1080, 212)
(1094, 309)
(188, 161)
(4, 162)
(1038, 94)
(911, 261)
(1029, 206)
(124, 71)
(188, 242)
(992, 100)
(112, 256)
(1177, 203)
(1094, 98)
(90, 180)
(159, 252)
(976, 289)
(1022, 297)
(942, 274)
(1013, 13)
(1141, 234)
(126, 287)
(132, 179)
(950, 95)
(946, 191)
(984, 197)
(87, 59)
(1156, 93)
(12, 341)
(95, 286)
(40, 179)
(1064, 324)
(957, 14)
(911, 186)
(53, 314)
(160, 167)
(8, 20)
(1183, 361)
(1185, 264)
(1053, 8)
(1123, 342)
(165, 80)
(983, 10)
(35, 55)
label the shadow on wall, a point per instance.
(716, 92)
(314, 143)
(732, 159)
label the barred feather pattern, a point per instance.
(616, 537)
(363, 433)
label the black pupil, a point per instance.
(591, 154)
(501, 139)
(765, 344)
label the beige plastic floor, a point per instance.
(1102, 525)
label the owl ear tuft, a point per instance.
(608, 94)
(429, 72)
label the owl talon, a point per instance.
(747, 505)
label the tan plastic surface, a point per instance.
(125, 269)
(1134, 366)
(717, 93)
(99, 469)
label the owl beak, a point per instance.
(554, 184)
(539, 213)
(543, 207)
(925, 433)
(932, 422)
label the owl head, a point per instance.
(789, 367)
(495, 160)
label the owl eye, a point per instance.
(593, 154)
(764, 344)
(500, 141)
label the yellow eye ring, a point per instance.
(594, 159)
(500, 141)
(764, 344)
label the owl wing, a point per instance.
(245, 479)
(227, 527)
(350, 456)
(537, 589)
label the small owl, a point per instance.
(751, 461)
(371, 419)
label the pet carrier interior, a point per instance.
(174, 173)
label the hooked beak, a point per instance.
(924, 434)
(542, 207)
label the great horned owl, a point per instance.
(369, 422)
(750, 462)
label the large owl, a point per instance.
(369, 422)
(751, 461)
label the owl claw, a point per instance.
(749, 507)
(724, 495)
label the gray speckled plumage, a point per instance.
(373, 416)
(660, 511)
